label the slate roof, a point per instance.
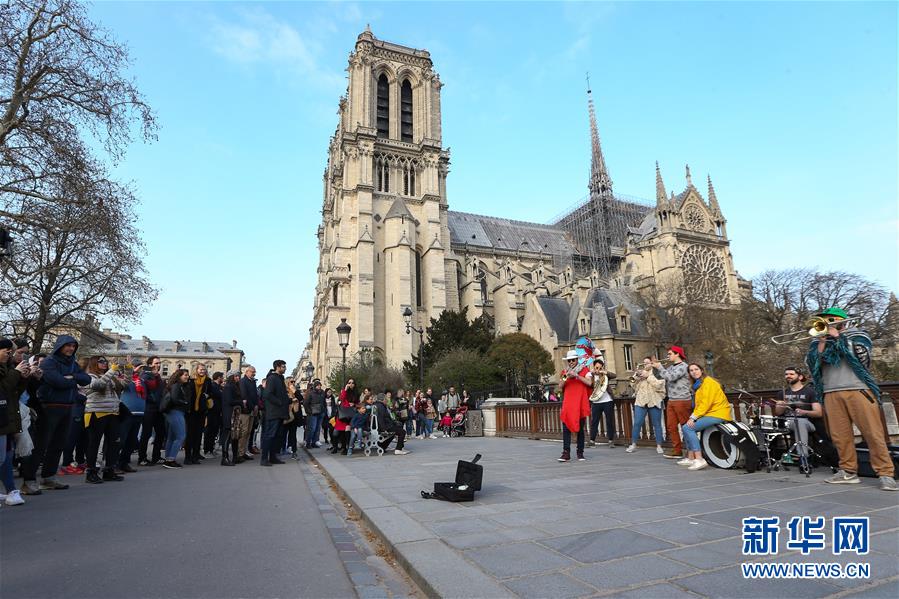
(556, 311)
(490, 232)
(166, 348)
(601, 305)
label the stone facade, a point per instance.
(218, 356)
(388, 239)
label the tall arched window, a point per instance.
(418, 278)
(406, 112)
(383, 106)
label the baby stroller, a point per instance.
(458, 427)
(371, 437)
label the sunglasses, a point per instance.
(102, 361)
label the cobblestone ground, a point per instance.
(618, 524)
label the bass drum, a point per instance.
(731, 445)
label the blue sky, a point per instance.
(792, 108)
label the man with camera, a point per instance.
(153, 422)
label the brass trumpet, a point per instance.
(817, 327)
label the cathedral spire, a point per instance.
(661, 196)
(600, 183)
(713, 199)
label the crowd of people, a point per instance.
(841, 394)
(59, 413)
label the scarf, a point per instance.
(834, 352)
(198, 387)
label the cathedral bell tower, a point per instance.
(384, 241)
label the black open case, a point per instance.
(469, 475)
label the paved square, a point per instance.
(618, 525)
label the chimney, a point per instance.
(177, 346)
(234, 344)
(146, 341)
(205, 348)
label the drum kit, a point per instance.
(766, 440)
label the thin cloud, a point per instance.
(256, 37)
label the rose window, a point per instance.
(704, 274)
(695, 218)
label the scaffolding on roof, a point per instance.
(598, 228)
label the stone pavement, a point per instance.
(619, 524)
(201, 532)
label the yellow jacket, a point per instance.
(711, 401)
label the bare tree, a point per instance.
(91, 265)
(61, 86)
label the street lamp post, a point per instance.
(407, 316)
(310, 370)
(709, 362)
(343, 338)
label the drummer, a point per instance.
(805, 405)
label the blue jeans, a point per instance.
(691, 435)
(429, 427)
(177, 432)
(408, 426)
(313, 429)
(419, 423)
(6, 459)
(655, 418)
(355, 435)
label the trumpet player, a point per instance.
(839, 362)
(679, 406)
(649, 391)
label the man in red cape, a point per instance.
(576, 386)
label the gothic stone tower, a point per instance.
(383, 241)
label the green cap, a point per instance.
(838, 312)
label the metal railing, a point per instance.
(541, 420)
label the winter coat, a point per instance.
(155, 387)
(711, 400)
(314, 402)
(249, 393)
(55, 388)
(209, 391)
(180, 397)
(102, 393)
(231, 398)
(11, 387)
(678, 380)
(340, 425)
(275, 397)
(649, 391)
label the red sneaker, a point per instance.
(79, 469)
(70, 469)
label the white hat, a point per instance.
(571, 355)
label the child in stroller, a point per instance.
(458, 424)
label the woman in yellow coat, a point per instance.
(710, 407)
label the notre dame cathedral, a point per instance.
(388, 240)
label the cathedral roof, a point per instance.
(556, 311)
(490, 232)
(602, 305)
